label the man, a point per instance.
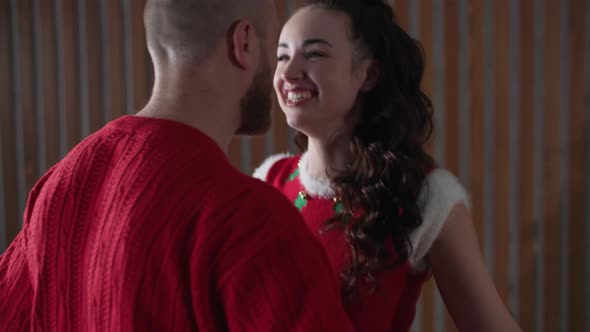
(146, 226)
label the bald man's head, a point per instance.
(186, 33)
(191, 29)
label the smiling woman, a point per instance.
(348, 78)
(315, 48)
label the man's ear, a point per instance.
(373, 73)
(241, 40)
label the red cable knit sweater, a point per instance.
(146, 226)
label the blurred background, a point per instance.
(510, 82)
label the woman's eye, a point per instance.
(314, 54)
(282, 58)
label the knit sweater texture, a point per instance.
(145, 226)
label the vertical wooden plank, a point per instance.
(488, 119)
(114, 44)
(476, 106)
(49, 58)
(464, 91)
(105, 75)
(70, 62)
(7, 132)
(127, 56)
(564, 163)
(539, 77)
(38, 89)
(578, 172)
(586, 272)
(18, 137)
(501, 147)
(60, 77)
(27, 94)
(527, 215)
(451, 82)
(439, 72)
(514, 85)
(140, 75)
(551, 158)
(91, 31)
(82, 70)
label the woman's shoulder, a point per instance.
(441, 191)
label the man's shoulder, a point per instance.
(249, 213)
(247, 205)
(257, 219)
(252, 192)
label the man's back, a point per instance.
(146, 226)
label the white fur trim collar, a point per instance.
(261, 172)
(319, 187)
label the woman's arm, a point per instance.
(461, 276)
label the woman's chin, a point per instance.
(296, 122)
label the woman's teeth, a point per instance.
(298, 96)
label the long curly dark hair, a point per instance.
(388, 165)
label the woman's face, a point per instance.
(318, 75)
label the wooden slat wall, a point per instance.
(511, 85)
(550, 167)
(578, 146)
(527, 215)
(7, 151)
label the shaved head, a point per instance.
(191, 29)
(188, 33)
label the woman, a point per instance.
(348, 80)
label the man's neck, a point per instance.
(204, 109)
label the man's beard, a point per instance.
(255, 106)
